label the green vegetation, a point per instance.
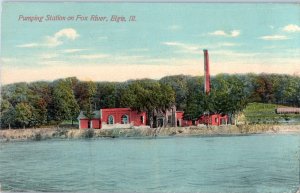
(147, 95)
(88, 133)
(84, 93)
(63, 105)
(43, 103)
(228, 95)
(265, 113)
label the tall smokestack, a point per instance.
(206, 73)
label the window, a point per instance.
(124, 119)
(223, 121)
(142, 119)
(111, 120)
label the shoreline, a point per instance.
(10, 135)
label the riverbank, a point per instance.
(74, 133)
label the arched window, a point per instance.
(111, 120)
(124, 119)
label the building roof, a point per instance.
(116, 109)
(96, 115)
(287, 110)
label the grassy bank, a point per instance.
(63, 133)
(264, 113)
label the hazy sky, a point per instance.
(165, 39)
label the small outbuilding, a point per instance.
(85, 122)
(213, 119)
(287, 110)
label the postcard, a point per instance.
(150, 97)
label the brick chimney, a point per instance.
(206, 72)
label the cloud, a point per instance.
(93, 56)
(218, 33)
(233, 33)
(48, 56)
(227, 44)
(107, 72)
(196, 49)
(131, 67)
(274, 37)
(139, 50)
(172, 43)
(5, 60)
(30, 45)
(53, 63)
(291, 28)
(55, 40)
(52, 42)
(73, 50)
(174, 27)
(183, 46)
(69, 33)
(232, 54)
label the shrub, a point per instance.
(37, 137)
(62, 131)
(88, 133)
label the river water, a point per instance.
(256, 163)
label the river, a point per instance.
(255, 163)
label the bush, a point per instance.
(88, 133)
(62, 131)
(37, 137)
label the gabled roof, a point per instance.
(116, 109)
(288, 110)
(96, 115)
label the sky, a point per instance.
(165, 39)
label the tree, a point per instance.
(38, 103)
(105, 96)
(39, 98)
(148, 95)
(230, 96)
(84, 94)
(129, 96)
(227, 96)
(179, 84)
(264, 88)
(23, 114)
(7, 114)
(290, 91)
(16, 98)
(64, 105)
(195, 98)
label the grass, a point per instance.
(70, 122)
(265, 113)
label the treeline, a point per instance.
(47, 103)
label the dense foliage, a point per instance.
(44, 103)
